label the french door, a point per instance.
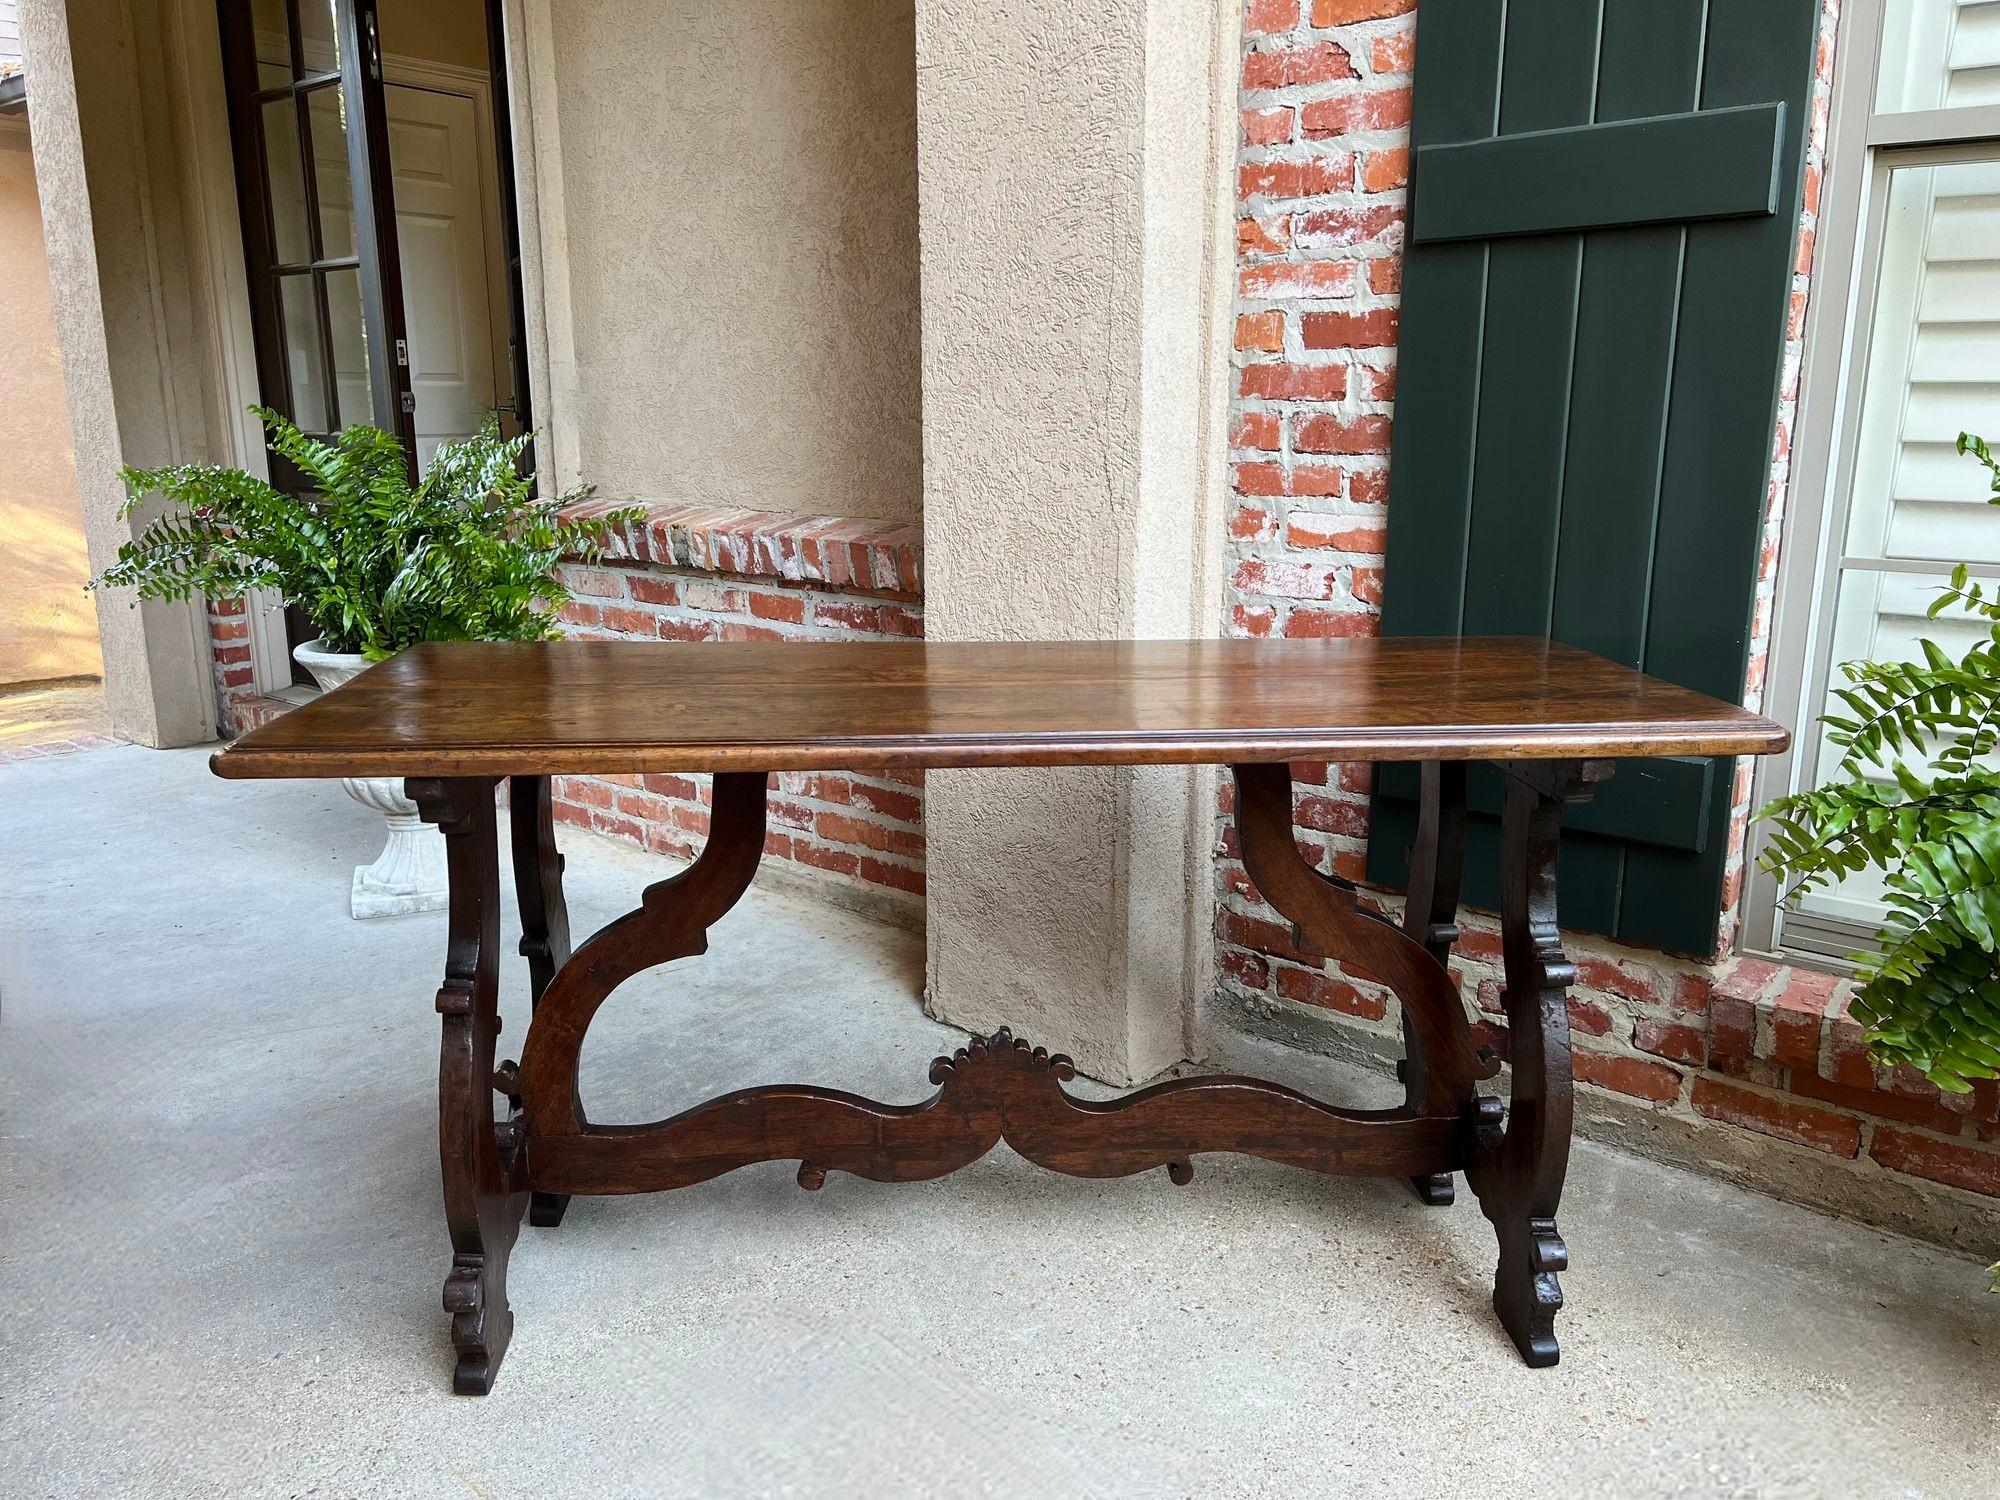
(304, 79)
(309, 130)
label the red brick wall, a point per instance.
(239, 707)
(1718, 1046)
(691, 573)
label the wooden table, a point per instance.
(457, 719)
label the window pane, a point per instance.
(284, 172)
(335, 192)
(1933, 371)
(350, 348)
(319, 35)
(1879, 617)
(274, 42)
(1939, 54)
(305, 354)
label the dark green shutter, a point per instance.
(1604, 204)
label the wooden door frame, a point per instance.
(399, 71)
(548, 333)
(374, 253)
(375, 239)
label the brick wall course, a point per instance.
(691, 573)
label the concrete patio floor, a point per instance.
(223, 1244)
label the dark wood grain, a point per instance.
(990, 1091)
(458, 718)
(485, 1176)
(1522, 1162)
(1430, 916)
(538, 872)
(489, 709)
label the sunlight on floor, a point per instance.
(47, 713)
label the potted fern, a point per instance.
(377, 564)
(1917, 797)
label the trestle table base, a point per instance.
(514, 1141)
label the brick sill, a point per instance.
(1785, 1029)
(852, 554)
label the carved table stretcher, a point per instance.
(458, 719)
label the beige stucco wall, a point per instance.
(48, 627)
(133, 317)
(736, 243)
(1076, 261)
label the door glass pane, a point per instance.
(319, 35)
(350, 348)
(285, 180)
(305, 355)
(274, 42)
(1939, 54)
(334, 187)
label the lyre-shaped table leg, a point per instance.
(1328, 915)
(1437, 862)
(485, 1181)
(538, 873)
(1518, 1172)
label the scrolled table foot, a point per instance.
(1526, 1294)
(481, 1321)
(1437, 1189)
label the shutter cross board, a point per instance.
(1661, 802)
(1708, 164)
(1604, 208)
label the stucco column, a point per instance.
(107, 165)
(1073, 170)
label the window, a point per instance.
(1904, 354)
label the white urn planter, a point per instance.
(410, 873)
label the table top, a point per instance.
(575, 707)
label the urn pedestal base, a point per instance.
(409, 875)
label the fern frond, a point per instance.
(378, 564)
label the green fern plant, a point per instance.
(1929, 993)
(376, 563)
